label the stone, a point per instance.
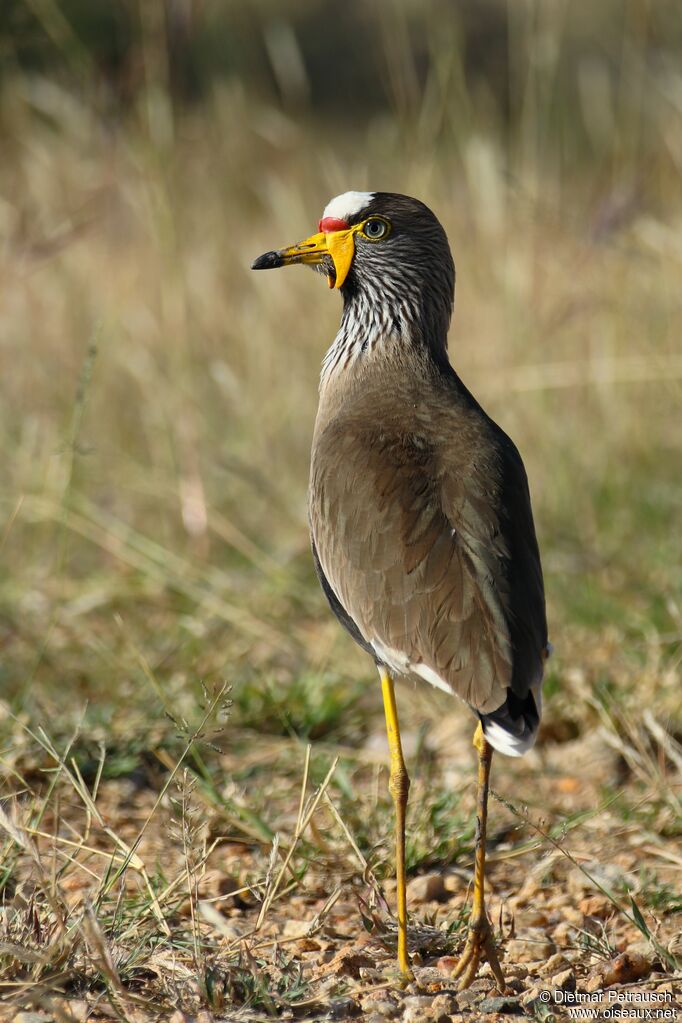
(553, 965)
(445, 1003)
(505, 1004)
(306, 944)
(668, 988)
(383, 1005)
(534, 965)
(342, 1008)
(530, 996)
(596, 905)
(531, 946)
(295, 928)
(574, 916)
(531, 918)
(455, 883)
(417, 1002)
(515, 970)
(562, 932)
(627, 968)
(430, 978)
(371, 974)
(417, 1009)
(78, 1010)
(424, 1016)
(446, 965)
(427, 888)
(564, 981)
(557, 901)
(467, 998)
(527, 892)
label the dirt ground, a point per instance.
(203, 924)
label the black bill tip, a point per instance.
(268, 261)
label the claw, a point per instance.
(478, 947)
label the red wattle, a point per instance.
(329, 224)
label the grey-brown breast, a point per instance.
(421, 522)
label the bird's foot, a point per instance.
(406, 977)
(406, 974)
(478, 947)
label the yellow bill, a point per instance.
(339, 245)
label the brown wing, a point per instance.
(408, 531)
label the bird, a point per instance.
(419, 508)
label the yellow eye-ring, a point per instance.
(375, 228)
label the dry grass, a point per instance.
(171, 848)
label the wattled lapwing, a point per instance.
(420, 514)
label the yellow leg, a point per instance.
(399, 787)
(479, 944)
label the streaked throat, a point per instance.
(368, 329)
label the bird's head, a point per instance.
(389, 256)
(377, 241)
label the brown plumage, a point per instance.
(419, 507)
(415, 502)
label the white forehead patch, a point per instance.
(347, 205)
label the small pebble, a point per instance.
(453, 883)
(417, 1002)
(530, 996)
(445, 1003)
(668, 988)
(518, 970)
(624, 969)
(467, 997)
(428, 975)
(528, 892)
(553, 965)
(596, 905)
(564, 981)
(558, 901)
(535, 966)
(562, 932)
(343, 1008)
(371, 974)
(417, 1009)
(295, 928)
(504, 1004)
(446, 965)
(533, 945)
(77, 1009)
(531, 918)
(383, 1006)
(427, 888)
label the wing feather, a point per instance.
(426, 539)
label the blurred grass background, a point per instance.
(158, 398)
(158, 401)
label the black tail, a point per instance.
(512, 728)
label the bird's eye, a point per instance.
(375, 228)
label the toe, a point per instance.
(479, 946)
